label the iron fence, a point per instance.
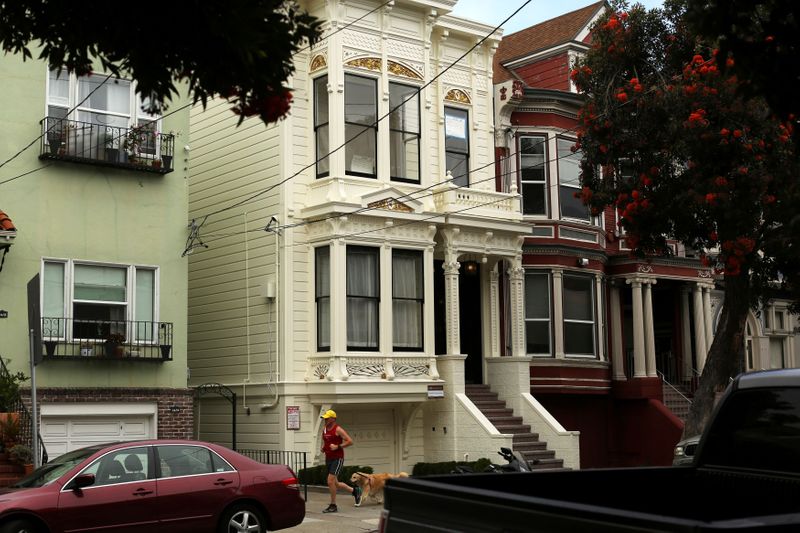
(17, 406)
(68, 338)
(294, 460)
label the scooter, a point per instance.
(516, 462)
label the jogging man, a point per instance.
(334, 440)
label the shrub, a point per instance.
(447, 467)
(318, 475)
(21, 454)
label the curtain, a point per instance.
(408, 300)
(322, 289)
(362, 297)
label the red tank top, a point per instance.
(329, 437)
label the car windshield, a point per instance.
(47, 473)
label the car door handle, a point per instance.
(223, 482)
(142, 492)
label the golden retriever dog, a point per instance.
(372, 484)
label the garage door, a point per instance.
(62, 434)
(373, 435)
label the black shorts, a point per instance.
(334, 465)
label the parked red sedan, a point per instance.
(155, 486)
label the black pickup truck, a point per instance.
(745, 477)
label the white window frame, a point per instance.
(130, 294)
(590, 220)
(593, 322)
(549, 319)
(545, 167)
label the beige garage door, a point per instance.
(373, 431)
(63, 434)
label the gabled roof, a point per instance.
(541, 36)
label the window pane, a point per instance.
(407, 274)
(404, 100)
(570, 206)
(220, 464)
(362, 271)
(184, 460)
(578, 338)
(53, 290)
(321, 100)
(532, 147)
(120, 466)
(404, 151)
(578, 298)
(533, 200)
(537, 336)
(568, 163)
(456, 130)
(100, 283)
(145, 304)
(362, 323)
(112, 95)
(776, 352)
(407, 324)
(323, 271)
(360, 100)
(58, 91)
(323, 162)
(322, 289)
(458, 167)
(360, 149)
(537, 296)
(323, 323)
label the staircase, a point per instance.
(502, 417)
(676, 398)
(10, 472)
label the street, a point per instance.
(347, 520)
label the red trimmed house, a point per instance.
(614, 341)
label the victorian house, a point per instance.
(616, 343)
(98, 201)
(357, 255)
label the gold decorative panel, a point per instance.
(391, 204)
(369, 63)
(318, 62)
(402, 70)
(457, 95)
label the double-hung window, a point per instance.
(322, 297)
(533, 174)
(538, 331)
(363, 297)
(321, 134)
(569, 181)
(408, 299)
(91, 300)
(404, 132)
(579, 316)
(456, 144)
(360, 125)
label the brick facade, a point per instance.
(175, 406)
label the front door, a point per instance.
(469, 304)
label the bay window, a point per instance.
(456, 144)
(407, 300)
(404, 133)
(363, 297)
(579, 315)
(91, 301)
(360, 125)
(533, 174)
(322, 296)
(538, 330)
(569, 181)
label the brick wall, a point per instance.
(175, 406)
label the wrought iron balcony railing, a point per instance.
(68, 338)
(139, 148)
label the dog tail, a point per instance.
(402, 474)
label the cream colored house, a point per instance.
(356, 256)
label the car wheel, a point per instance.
(18, 526)
(242, 519)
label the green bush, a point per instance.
(447, 467)
(318, 475)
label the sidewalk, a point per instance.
(348, 519)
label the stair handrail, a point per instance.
(673, 387)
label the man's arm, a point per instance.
(346, 440)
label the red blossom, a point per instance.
(622, 96)
(724, 132)
(720, 181)
(737, 133)
(711, 198)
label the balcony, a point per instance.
(74, 339)
(141, 148)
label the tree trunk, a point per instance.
(726, 355)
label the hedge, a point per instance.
(447, 467)
(318, 475)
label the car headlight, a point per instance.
(679, 451)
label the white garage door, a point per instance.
(62, 434)
(374, 439)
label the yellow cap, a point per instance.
(329, 414)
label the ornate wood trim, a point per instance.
(369, 63)
(457, 95)
(401, 70)
(318, 62)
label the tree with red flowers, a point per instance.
(669, 141)
(242, 50)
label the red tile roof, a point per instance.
(541, 36)
(5, 223)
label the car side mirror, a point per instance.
(83, 480)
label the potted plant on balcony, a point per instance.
(134, 139)
(111, 143)
(114, 343)
(21, 455)
(55, 138)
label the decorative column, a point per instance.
(453, 333)
(686, 335)
(601, 327)
(516, 277)
(494, 312)
(615, 319)
(649, 333)
(558, 312)
(699, 327)
(639, 369)
(707, 313)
